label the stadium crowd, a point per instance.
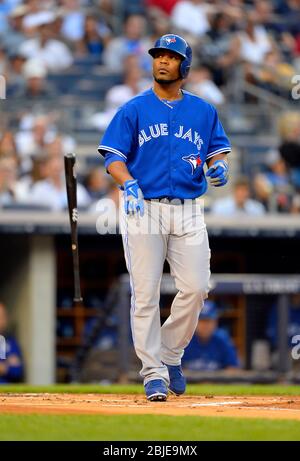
(255, 41)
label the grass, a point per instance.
(146, 427)
(192, 389)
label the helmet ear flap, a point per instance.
(186, 63)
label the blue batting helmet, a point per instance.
(178, 45)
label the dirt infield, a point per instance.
(273, 407)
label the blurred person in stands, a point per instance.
(51, 191)
(97, 183)
(31, 141)
(239, 202)
(3, 62)
(254, 41)
(8, 145)
(11, 368)
(200, 83)
(220, 47)
(118, 95)
(54, 53)
(289, 130)
(14, 35)
(38, 172)
(35, 133)
(133, 41)
(15, 77)
(36, 86)
(96, 37)
(275, 74)
(10, 190)
(273, 187)
(211, 348)
(164, 6)
(73, 19)
(189, 17)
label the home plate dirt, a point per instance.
(240, 406)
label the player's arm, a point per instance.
(119, 172)
(217, 170)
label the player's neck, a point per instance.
(171, 92)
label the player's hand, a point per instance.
(218, 173)
(133, 198)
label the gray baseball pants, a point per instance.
(178, 234)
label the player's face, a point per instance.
(166, 66)
(206, 328)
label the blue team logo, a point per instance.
(193, 160)
(170, 40)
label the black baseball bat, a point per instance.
(71, 184)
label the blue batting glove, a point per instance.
(218, 173)
(133, 197)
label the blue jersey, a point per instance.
(215, 354)
(164, 145)
(13, 362)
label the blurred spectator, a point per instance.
(8, 146)
(51, 191)
(254, 40)
(3, 62)
(37, 173)
(273, 187)
(274, 74)
(97, 183)
(211, 348)
(10, 190)
(190, 17)
(120, 94)
(15, 77)
(220, 48)
(14, 35)
(165, 6)
(36, 85)
(200, 83)
(11, 368)
(35, 135)
(239, 203)
(73, 20)
(32, 141)
(289, 128)
(54, 53)
(95, 37)
(133, 41)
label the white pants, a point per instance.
(176, 233)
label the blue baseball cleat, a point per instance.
(156, 390)
(177, 380)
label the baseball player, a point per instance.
(156, 148)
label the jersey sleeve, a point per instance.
(118, 138)
(219, 143)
